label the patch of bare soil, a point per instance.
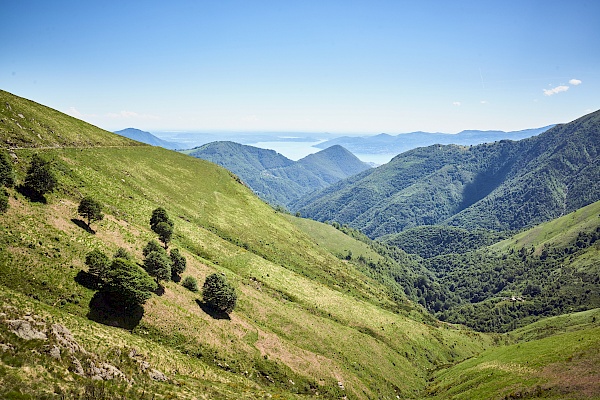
(579, 378)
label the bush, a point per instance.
(40, 179)
(178, 261)
(3, 200)
(152, 246)
(97, 263)
(129, 283)
(7, 173)
(158, 265)
(218, 293)
(189, 282)
(122, 253)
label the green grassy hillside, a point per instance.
(306, 322)
(556, 358)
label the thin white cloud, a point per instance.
(130, 115)
(553, 91)
(73, 112)
(456, 103)
(575, 82)
(483, 102)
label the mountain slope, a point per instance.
(276, 178)
(306, 322)
(148, 138)
(499, 186)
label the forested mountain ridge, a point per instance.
(275, 178)
(500, 186)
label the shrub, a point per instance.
(152, 246)
(218, 293)
(40, 179)
(129, 283)
(97, 263)
(189, 282)
(3, 200)
(178, 262)
(158, 265)
(7, 173)
(122, 253)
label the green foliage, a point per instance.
(158, 265)
(432, 241)
(151, 246)
(129, 283)
(159, 215)
(40, 178)
(3, 200)
(219, 293)
(190, 283)
(500, 186)
(7, 173)
(98, 263)
(122, 253)
(164, 232)
(90, 209)
(178, 262)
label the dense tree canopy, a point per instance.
(129, 283)
(158, 265)
(178, 262)
(40, 179)
(219, 293)
(97, 263)
(7, 174)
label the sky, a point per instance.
(306, 66)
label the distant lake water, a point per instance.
(297, 150)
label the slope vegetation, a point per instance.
(306, 322)
(504, 185)
(277, 179)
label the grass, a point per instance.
(305, 320)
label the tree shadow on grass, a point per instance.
(83, 225)
(214, 313)
(88, 280)
(160, 290)
(32, 195)
(106, 309)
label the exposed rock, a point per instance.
(24, 330)
(65, 339)
(6, 347)
(105, 372)
(54, 352)
(77, 368)
(156, 375)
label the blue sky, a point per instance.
(312, 66)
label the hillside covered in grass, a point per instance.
(311, 319)
(306, 322)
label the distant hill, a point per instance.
(500, 186)
(148, 138)
(277, 179)
(388, 144)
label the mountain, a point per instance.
(306, 322)
(309, 322)
(148, 138)
(275, 178)
(505, 185)
(388, 144)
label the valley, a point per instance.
(323, 311)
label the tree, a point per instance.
(128, 283)
(218, 293)
(162, 225)
(122, 253)
(90, 209)
(7, 173)
(40, 179)
(3, 200)
(178, 262)
(159, 215)
(97, 263)
(158, 265)
(150, 247)
(164, 231)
